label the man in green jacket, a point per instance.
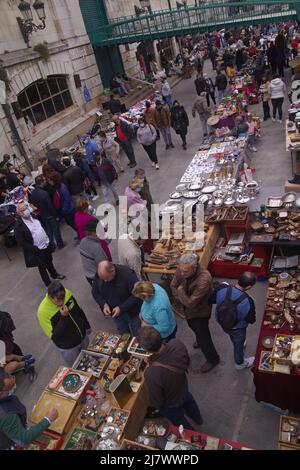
(13, 416)
(64, 322)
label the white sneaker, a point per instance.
(273, 119)
(95, 198)
(248, 362)
(279, 120)
(153, 164)
(254, 149)
(157, 166)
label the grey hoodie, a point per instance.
(146, 135)
(277, 88)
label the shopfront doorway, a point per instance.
(109, 63)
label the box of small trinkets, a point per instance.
(289, 433)
(104, 343)
(132, 445)
(91, 362)
(81, 439)
(136, 350)
(286, 349)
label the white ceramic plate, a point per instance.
(209, 189)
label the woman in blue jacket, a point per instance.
(156, 310)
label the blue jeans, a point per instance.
(128, 324)
(168, 100)
(171, 336)
(238, 338)
(119, 90)
(53, 232)
(221, 95)
(70, 355)
(176, 413)
(251, 140)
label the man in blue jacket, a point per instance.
(112, 290)
(245, 310)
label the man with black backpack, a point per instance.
(235, 310)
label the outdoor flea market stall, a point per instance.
(102, 403)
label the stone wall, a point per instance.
(70, 54)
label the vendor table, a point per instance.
(226, 121)
(205, 254)
(296, 151)
(136, 406)
(280, 390)
(188, 435)
(262, 196)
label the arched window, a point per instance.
(45, 98)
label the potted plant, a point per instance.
(42, 49)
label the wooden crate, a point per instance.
(285, 444)
(138, 412)
(137, 446)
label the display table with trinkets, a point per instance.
(100, 400)
(159, 434)
(276, 369)
(213, 170)
(167, 251)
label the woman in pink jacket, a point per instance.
(133, 196)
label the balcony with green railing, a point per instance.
(192, 20)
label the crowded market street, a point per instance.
(225, 397)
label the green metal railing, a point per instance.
(190, 20)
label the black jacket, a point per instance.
(179, 119)
(42, 201)
(74, 178)
(167, 387)
(221, 82)
(118, 292)
(114, 84)
(12, 181)
(65, 332)
(56, 165)
(3, 189)
(114, 106)
(33, 256)
(200, 85)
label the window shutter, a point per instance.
(77, 81)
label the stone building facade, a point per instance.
(46, 98)
(52, 101)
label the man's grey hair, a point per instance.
(189, 258)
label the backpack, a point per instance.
(226, 313)
(128, 130)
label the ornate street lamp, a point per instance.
(26, 24)
(40, 10)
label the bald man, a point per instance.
(112, 290)
(31, 236)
